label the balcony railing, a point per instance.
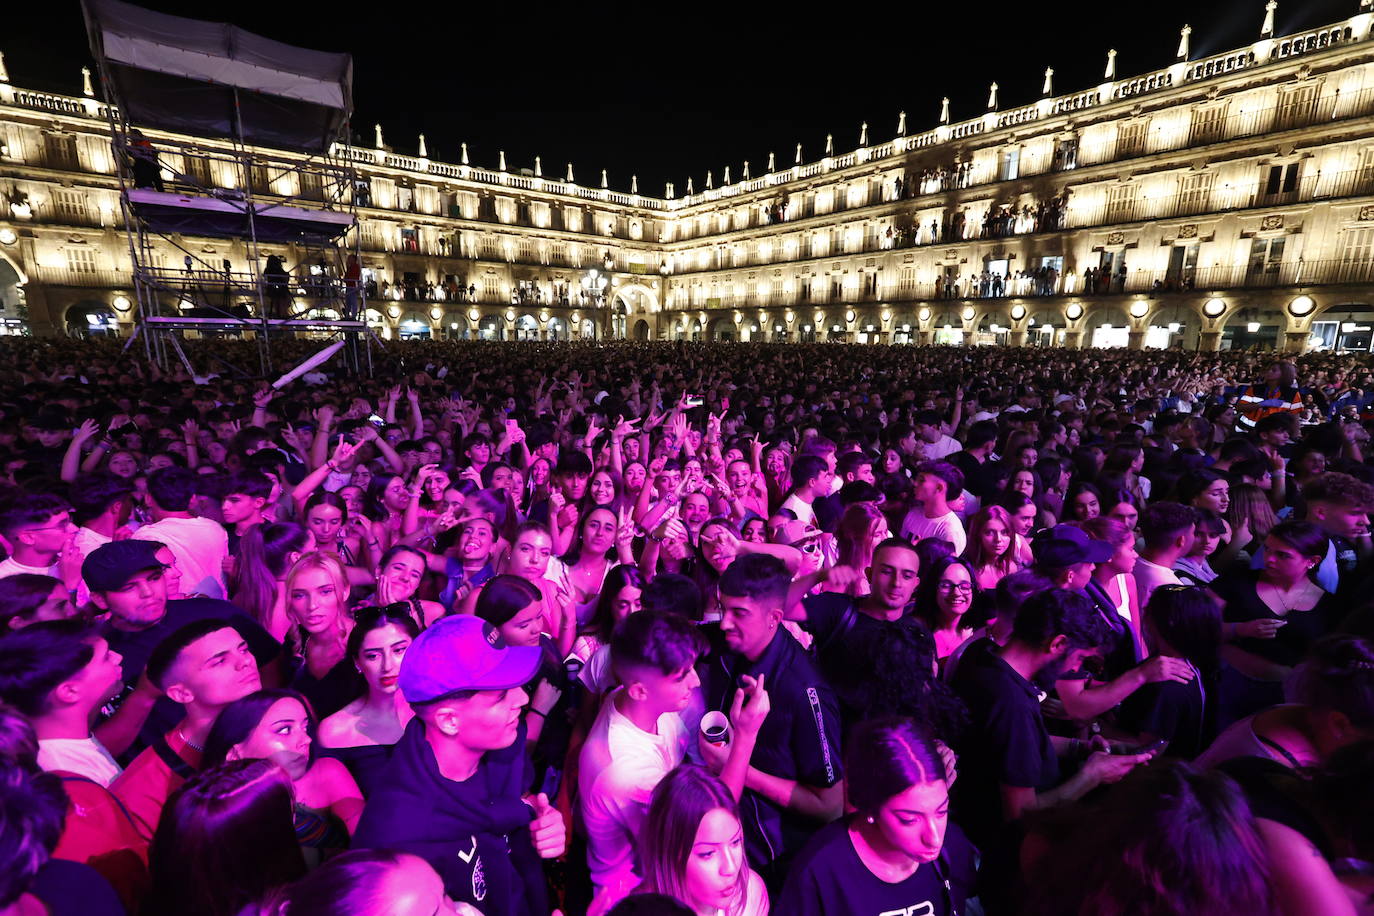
(83, 276)
(1290, 114)
(1315, 187)
(1330, 272)
(1319, 186)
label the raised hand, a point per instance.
(624, 529)
(263, 397)
(89, 429)
(343, 451)
(750, 707)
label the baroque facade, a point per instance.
(1220, 202)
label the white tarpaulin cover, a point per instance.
(185, 74)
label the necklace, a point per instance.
(198, 748)
(1282, 595)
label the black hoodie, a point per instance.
(475, 833)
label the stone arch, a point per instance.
(993, 326)
(1254, 325)
(1174, 323)
(526, 327)
(491, 327)
(1106, 326)
(629, 292)
(1340, 326)
(90, 318)
(641, 329)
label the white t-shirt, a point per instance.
(947, 527)
(1150, 576)
(12, 567)
(199, 545)
(802, 510)
(942, 448)
(620, 764)
(86, 542)
(82, 756)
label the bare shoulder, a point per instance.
(338, 729)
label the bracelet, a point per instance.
(332, 464)
(542, 715)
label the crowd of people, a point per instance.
(712, 629)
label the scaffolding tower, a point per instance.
(266, 178)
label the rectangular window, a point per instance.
(1011, 165)
(907, 283)
(61, 150)
(1195, 193)
(1209, 124)
(1120, 202)
(81, 260)
(1065, 155)
(70, 205)
(1281, 183)
(1357, 245)
(1130, 139)
(1266, 257)
(1297, 106)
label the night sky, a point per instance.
(674, 90)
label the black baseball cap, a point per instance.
(110, 566)
(1069, 545)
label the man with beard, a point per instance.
(1008, 761)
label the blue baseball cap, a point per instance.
(1069, 545)
(464, 653)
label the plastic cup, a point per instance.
(715, 728)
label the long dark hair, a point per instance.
(603, 620)
(264, 553)
(900, 680)
(893, 754)
(503, 597)
(1189, 620)
(351, 884)
(236, 722)
(225, 839)
(925, 609)
(1183, 841)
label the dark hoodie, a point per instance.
(475, 833)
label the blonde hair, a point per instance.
(1251, 504)
(854, 535)
(679, 803)
(331, 565)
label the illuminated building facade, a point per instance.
(1218, 202)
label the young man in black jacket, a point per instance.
(454, 792)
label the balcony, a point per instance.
(1299, 274)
